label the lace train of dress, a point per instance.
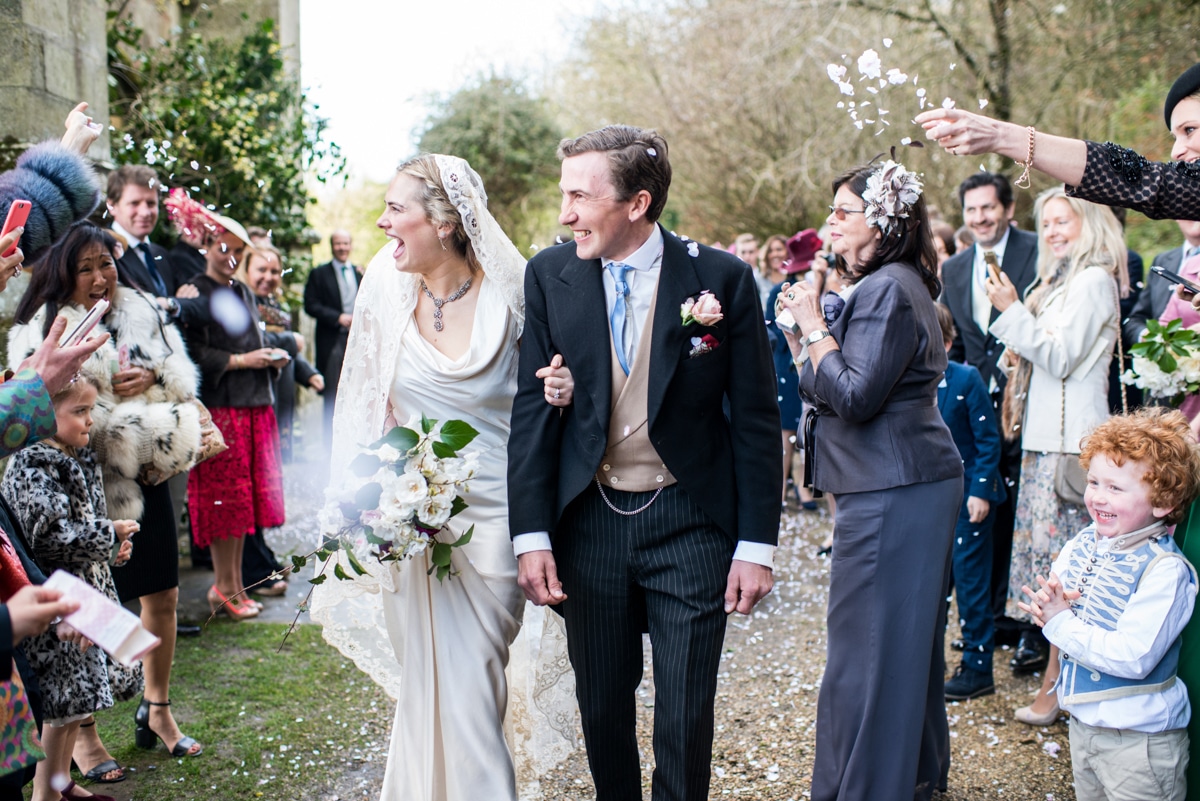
(441, 647)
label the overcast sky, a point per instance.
(373, 66)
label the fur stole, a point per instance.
(158, 427)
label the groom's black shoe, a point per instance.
(1031, 653)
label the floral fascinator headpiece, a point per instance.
(891, 193)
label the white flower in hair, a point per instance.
(890, 195)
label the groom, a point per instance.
(652, 502)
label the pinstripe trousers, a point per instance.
(664, 571)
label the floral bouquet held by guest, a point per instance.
(1166, 363)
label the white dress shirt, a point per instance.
(133, 241)
(1154, 618)
(646, 264)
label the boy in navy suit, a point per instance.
(967, 410)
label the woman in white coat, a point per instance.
(1059, 344)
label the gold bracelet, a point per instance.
(1023, 181)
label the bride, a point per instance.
(436, 325)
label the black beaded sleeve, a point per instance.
(1118, 176)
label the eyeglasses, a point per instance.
(840, 213)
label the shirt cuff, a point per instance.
(758, 553)
(533, 541)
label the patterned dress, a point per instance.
(59, 499)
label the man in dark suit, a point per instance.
(1157, 292)
(987, 204)
(329, 299)
(643, 506)
(132, 199)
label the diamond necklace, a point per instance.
(438, 303)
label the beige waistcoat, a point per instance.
(631, 464)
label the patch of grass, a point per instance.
(281, 725)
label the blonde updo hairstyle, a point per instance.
(438, 208)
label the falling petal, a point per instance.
(982, 103)
(195, 165)
(887, 42)
(947, 103)
(229, 312)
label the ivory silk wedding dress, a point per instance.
(476, 691)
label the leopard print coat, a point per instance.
(59, 500)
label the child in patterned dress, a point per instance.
(55, 488)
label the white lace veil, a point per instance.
(541, 721)
(386, 295)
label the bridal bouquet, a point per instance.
(398, 497)
(1166, 363)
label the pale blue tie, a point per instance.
(620, 313)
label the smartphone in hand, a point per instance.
(1175, 278)
(18, 213)
(87, 323)
(989, 258)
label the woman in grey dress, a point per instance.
(877, 441)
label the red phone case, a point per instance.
(18, 213)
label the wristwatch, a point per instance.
(172, 307)
(817, 336)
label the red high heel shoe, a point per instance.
(237, 608)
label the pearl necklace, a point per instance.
(438, 303)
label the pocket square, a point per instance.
(703, 345)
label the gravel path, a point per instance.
(766, 697)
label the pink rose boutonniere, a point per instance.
(702, 345)
(705, 310)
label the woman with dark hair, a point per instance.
(142, 420)
(876, 440)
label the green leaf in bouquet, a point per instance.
(298, 562)
(457, 434)
(1167, 362)
(440, 554)
(401, 438)
(355, 565)
(372, 537)
(427, 424)
(457, 505)
(339, 573)
(443, 451)
(318, 579)
(367, 496)
(1172, 326)
(324, 553)
(464, 539)
(365, 464)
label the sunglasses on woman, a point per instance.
(840, 213)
